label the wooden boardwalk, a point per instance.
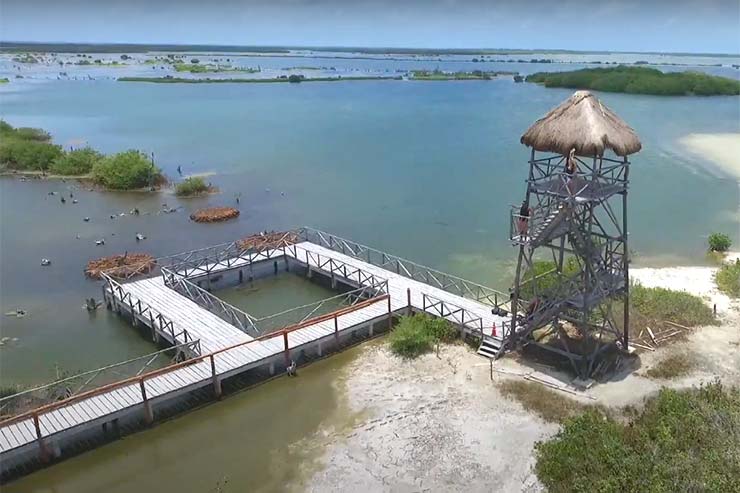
(225, 350)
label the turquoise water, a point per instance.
(423, 170)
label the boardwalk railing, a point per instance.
(140, 310)
(453, 313)
(300, 314)
(446, 282)
(65, 388)
(336, 268)
(203, 261)
(227, 312)
(210, 360)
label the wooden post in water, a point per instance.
(216, 381)
(241, 276)
(287, 349)
(148, 415)
(44, 454)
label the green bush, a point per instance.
(417, 334)
(728, 278)
(719, 242)
(683, 440)
(191, 186)
(76, 162)
(126, 170)
(28, 155)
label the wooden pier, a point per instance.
(217, 342)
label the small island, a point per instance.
(640, 80)
(29, 151)
(437, 75)
(194, 186)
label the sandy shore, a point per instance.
(439, 423)
(721, 149)
(431, 424)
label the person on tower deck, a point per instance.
(571, 170)
(523, 224)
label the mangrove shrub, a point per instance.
(76, 162)
(126, 170)
(683, 440)
(417, 334)
(719, 242)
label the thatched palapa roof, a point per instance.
(584, 123)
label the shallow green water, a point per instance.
(259, 440)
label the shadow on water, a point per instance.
(268, 438)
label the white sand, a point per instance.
(440, 423)
(723, 150)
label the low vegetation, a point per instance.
(719, 242)
(672, 366)
(547, 404)
(9, 390)
(76, 162)
(191, 186)
(683, 440)
(656, 305)
(31, 150)
(417, 334)
(167, 79)
(442, 75)
(728, 278)
(639, 80)
(126, 171)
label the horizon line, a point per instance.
(359, 48)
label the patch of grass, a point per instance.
(683, 440)
(672, 366)
(191, 186)
(719, 242)
(417, 334)
(728, 278)
(547, 404)
(639, 80)
(4, 80)
(656, 305)
(76, 162)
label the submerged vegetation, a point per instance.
(417, 334)
(31, 150)
(728, 278)
(639, 80)
(683, 440)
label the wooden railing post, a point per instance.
(390, 314)
(216, 381)
(44, 453)
(408, 301)
(148, 415)
(336, 329)
(287, 349)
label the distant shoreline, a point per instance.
(73, 47)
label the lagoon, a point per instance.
(425, 170)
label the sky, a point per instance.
(692, 26)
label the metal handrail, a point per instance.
(446, 282)
(145, 310)
(141, 380)
(80, 382)
(226, 311)
(452, 312)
